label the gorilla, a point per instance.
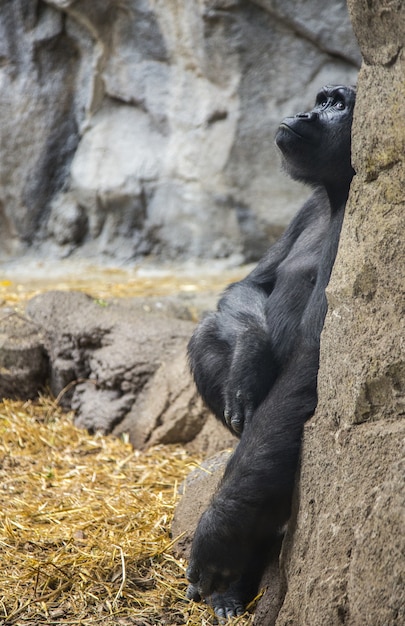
(255, 361)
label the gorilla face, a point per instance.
(316, 145)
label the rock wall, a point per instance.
(146, 127)
(344, 553)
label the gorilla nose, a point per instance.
(307, 116)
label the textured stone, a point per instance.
(146, 128)
(372, 21)
(120, 365)
(212, 438)
(102, 355)
(39, 65)
(23, 361)
(169, 409)
(196, 492)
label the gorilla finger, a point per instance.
(237, 424)
(227, 417)
(235, 611)
(219, 612)
(249, 414)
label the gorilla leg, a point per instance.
(210, 359)
(232, 377)
(253, 501)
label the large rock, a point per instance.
(121, 365)
(102, 357)
(169, 409)
(39, 127)
(344, 554)
(147, 128)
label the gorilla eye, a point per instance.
(340, 105)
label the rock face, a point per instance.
(145, 127)
(343, 556)
(121, 365)
(102, 356)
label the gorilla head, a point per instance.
(316, 145)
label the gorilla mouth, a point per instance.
(284, 126)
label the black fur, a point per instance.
(255, 360)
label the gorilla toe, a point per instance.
(226, 605)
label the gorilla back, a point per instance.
(255, 360)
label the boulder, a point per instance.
(196, 491)
(120, 365)
(212, 439)
(169, 409)
(102, 355)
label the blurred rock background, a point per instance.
(145, 127)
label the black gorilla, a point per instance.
(255, 360)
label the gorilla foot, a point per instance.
(225, 605)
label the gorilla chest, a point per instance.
(300, 268)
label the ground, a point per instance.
(85, 520)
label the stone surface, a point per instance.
(23, 361)
(169, 409)
(196, 491)
(212, 438)
(145, 127)
(343, 556)
(103, 355)
(40, 64)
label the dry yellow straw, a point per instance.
(84, 526)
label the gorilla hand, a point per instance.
(252, 374)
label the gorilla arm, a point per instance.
(245, 322)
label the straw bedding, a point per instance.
(85, 519)
(84, 525)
